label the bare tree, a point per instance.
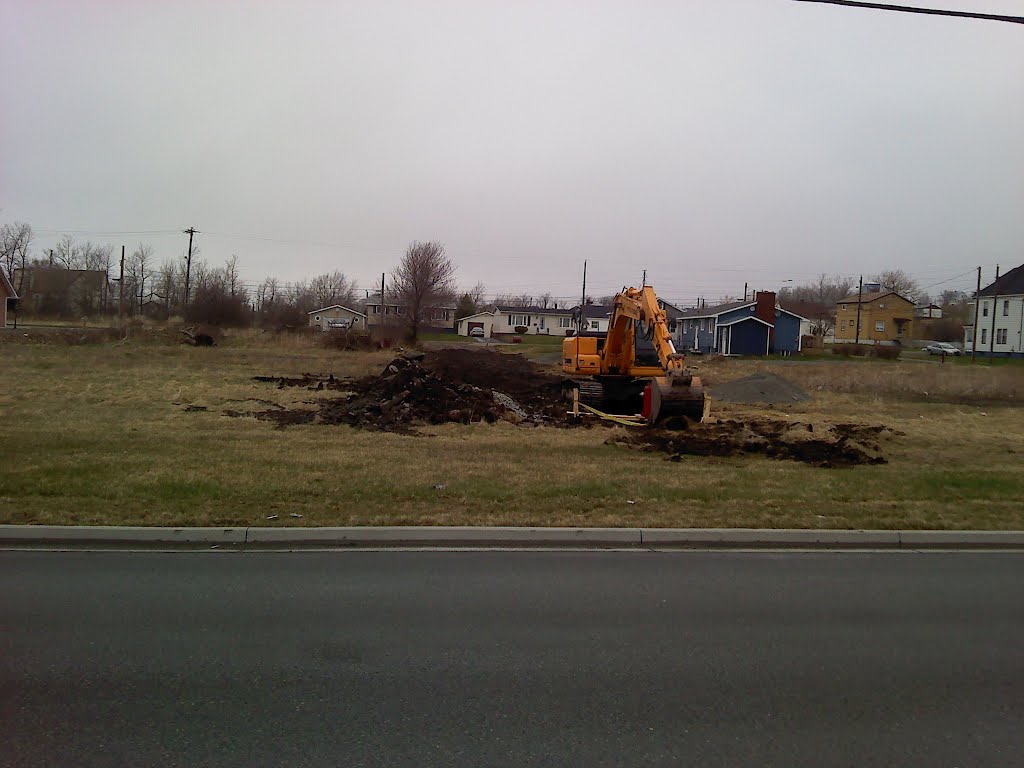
(15, 240)
(333, 288)
(478, 293)
(231, 279)
(544, 299)
(425, 277)
(139, 267)
(66, 252)
(514, 300)
(897, 281)
(266, 294)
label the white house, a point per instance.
(337, 316)
(928, 311)
(550, 321)
(1000, 312)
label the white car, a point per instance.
(477, 332)
(942, 348)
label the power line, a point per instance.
(926, 11)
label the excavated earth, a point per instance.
(465, 386)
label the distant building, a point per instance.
(1000, 330)
(7, 296)
(337, 316)
(503, 319)
(885, 317)
(440, 318)
(758, 326)
(59, 291)
(928, 311)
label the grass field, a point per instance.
(116, 434)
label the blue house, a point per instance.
(755, 327)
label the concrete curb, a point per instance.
(469, 536)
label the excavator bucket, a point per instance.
(675, 400)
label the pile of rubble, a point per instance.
(450, 385)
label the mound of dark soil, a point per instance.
(840, 445)
(448, 385)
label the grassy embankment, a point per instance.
(104, 434)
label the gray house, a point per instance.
(755, 327)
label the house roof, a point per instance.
(477, 314)
(8, 287)
(509, 308)
(1010, 284)
(867, 298)
(671, 310)
(744, 320)
(715, 311)
(336, 306)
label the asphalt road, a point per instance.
(511, 659)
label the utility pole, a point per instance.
(188, 263)
(643, 280)
(860, 293)
(383, 309)
(745, 293)
(992, 329)
(977, 306)
(120, 289)
(583, 303)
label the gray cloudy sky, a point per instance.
(709, 142)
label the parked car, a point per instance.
(942, 348)
(477, 332)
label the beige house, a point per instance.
(533, 321)
(884, 317)
(337, 316)
(6, 293)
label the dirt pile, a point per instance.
(838, 445)
(761, 388)
(448, 385)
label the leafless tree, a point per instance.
(544, 299)
(425, 277)
(15, 240)
(478, 293)
(266, 294)
(514, 300)
(139, 268)
(232, 282)
(898, 281)
(333, 288)
(65, 253)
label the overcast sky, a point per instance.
(709, 142)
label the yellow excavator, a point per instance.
(634, 367)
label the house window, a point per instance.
(881, 306)
(984, 335)
(518, 319)
(1006, 309)
(596, 324)
(984, 310)
(843, 307)
(880, 325)
(318, 318)
(376, 309)
(1000, 335)
(842, 325)
(565, 322)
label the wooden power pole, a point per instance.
(860, 293)
(120, 289)
(188, 264)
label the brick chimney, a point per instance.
(765, 307)
(765, 310)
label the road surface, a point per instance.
(511, 659)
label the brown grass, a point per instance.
(104, 435)
(918, 381)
